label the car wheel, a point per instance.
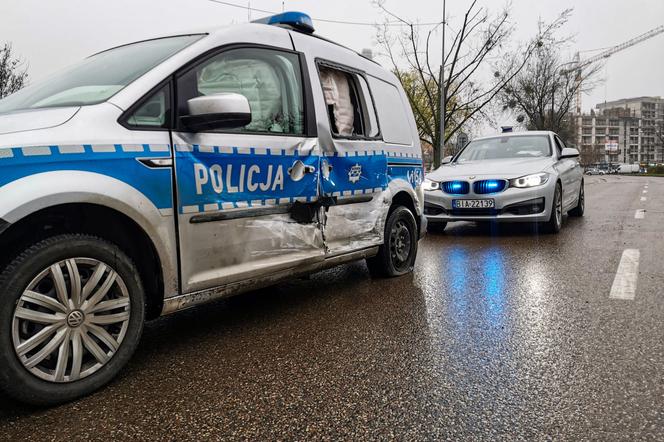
(71, 315)
(581, 204)
(436, 227)
(397, 255)
(555, 222)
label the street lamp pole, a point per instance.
(441, 137)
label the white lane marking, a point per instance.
(643, 198)
(645, 191)
(640, 214)
(624, 284)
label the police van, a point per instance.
(167, 173)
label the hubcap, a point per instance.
(71, 320)
(400, 243)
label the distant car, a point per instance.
(516, 177)
(628, 168)
(594, 171)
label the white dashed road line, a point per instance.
(640, 214)
(624, 284)
(643, 198)
(645, 191)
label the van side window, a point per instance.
(349, 104)
(152, 112)
(397, 125)
(271, 81)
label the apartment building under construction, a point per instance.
(630, 131)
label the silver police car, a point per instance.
(513, 177)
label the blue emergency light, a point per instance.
(296, 20)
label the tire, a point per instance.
(106, 295)
(580, 208)
(397, 255)
(436, 227)
(555, 222)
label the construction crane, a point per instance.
(578, 64)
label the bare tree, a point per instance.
(543, 94)
(592, 155)
(481, 38)
(13, 72)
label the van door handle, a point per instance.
(298, 170)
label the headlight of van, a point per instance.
(536, 179)
(429, 185)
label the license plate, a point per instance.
(474, 204)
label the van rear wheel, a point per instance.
(397, 255)
(71, 315)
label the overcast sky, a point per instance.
(52, 34)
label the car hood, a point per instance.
(35, 119)
(503, 168)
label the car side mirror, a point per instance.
(226, 110)
(446, 160)
(568, 152)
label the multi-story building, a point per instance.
(623, 131)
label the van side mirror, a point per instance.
(226, 110)
(568, 152)
(446, 160)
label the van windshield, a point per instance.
(530, 146)
(97, 78)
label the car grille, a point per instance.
(456, 187)
(489, 186)
(474, 212)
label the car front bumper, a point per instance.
(511, 205)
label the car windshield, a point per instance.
(506, 147)
(97, 78)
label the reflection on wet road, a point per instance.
(499, 333)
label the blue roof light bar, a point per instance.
(296, 20)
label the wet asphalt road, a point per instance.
(498, 334)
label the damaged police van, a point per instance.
(167, 173)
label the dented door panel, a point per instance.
(235, 201)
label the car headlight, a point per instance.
(429, 185)
(536, 179)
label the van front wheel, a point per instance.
(397, 255)
(71, 315)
